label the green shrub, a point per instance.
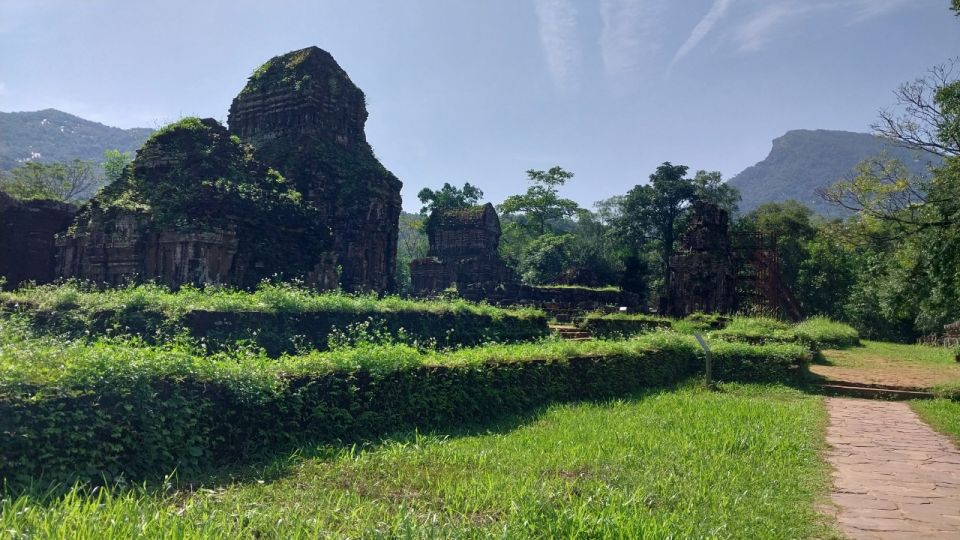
(756, 330)
(280, 318)
(620, 325)
(110, 409)
(744, 362)
(816, 333)
(823, 333)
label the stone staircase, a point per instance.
(570, 332)
(873, 391)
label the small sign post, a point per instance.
(709, 369)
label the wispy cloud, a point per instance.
(753, 34)
(763, 24)
(866, 9)
(700, 31)
(558, 36)
(630, 35)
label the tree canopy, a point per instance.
(448, 197)
(541, 204)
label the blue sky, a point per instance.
(482, 91)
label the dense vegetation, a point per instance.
(110, 408)
(889, 269)
(743, 462)
(277, 317)
(60, 137)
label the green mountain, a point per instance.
(51, 135)
(803, 160)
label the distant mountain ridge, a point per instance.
(803, 160)
(51, 135)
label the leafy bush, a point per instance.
(815, 333)
(756, 330)
(823, 333)
(758, 363)
(109, 409)
(621, 325)
(277, 317)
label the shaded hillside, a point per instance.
(803, 160)
(51, 135)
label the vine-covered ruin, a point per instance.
(291, 191)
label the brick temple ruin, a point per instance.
(464, 255)
(183, 211)
(703, 271)
(464, 252)
(714, 271)
(27, 231)
(306, 118)
(293, 190)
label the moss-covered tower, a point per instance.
(305, 118)
(196, 207)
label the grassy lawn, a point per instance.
(942, 414)
(740, 463)
(918, 366)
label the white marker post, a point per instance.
(706, 349)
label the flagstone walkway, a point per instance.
(894, 477)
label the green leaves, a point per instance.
(449, 197)
(66, 182)
(541, 204)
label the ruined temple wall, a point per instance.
(27, 238)
(125, 250)
(306, 118)
(703, 271)
(464, 241)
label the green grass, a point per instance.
(268, 298)
(756, 330)
(942, 414)
(822, 332)
(740, 463)
(917, 355)
(605, 288)
(893, 364)
(280, 318)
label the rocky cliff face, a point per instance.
(305, 118)
(803, 161)
(196, 207)
(27, 231)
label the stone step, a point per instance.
(570, 332)
(873, 392)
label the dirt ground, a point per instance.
(890, 365)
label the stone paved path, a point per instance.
(894, 477)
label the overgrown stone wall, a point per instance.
(305, 118)
(27, 231)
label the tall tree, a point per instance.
(711, 188)
(541, 204)
(449, 197)
(69, 182)
(654, 211)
